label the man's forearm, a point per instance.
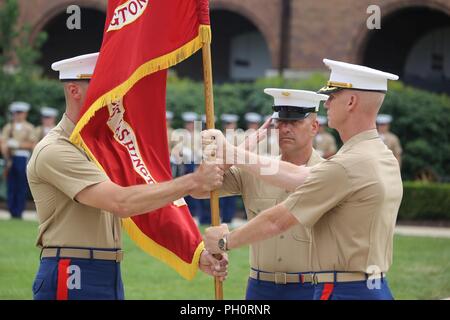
(266, 225)
(145, 198)
(274, 171)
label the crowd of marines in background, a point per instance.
(19, 138)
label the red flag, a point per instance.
(122, 125)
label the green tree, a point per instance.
(20, 75)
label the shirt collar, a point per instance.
(313, 159)
(67, 125)
(362, 136)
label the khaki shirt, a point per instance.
(351, 203)
(287, 252)
(325, 144)
(22, 132)
(393, 143)
(57, 172)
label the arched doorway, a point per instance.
(415, 44)
(63, 43)
(239, 50)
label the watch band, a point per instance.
(226, 241)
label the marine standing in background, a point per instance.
(390, 139)
(18, 140)
(324, 141)
(48, 122)
(234, 136)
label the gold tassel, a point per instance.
(205, 33)
(186, 270)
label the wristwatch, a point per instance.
(223, 243)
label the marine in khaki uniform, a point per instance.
(253, 120)
(324, 142)
(186, 141)
(235, 136)
(390, 139)
(277, 264)
(187, 152)
(48, 122)
(350, 202)
(18, 140)
(79, 208)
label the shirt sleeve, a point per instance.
(67, 168)
(232, 182)
(326, 186)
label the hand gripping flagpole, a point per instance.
(209, 105)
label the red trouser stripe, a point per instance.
(327, 291)
(62, 292)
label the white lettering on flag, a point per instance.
(127, 13)
(124, 134)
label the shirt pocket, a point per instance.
(300, 233)
(255, 206)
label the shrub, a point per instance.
(425, 201)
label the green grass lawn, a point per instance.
(420, 270)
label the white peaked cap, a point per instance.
(49, 112)
(322, 120)
(384, 119)
(19, 106)
(189, 116)
(76, 68)
(253, 117)
(227, 117)
(296, 98)
(352, 76)
(204, 118)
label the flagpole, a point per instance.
(209, 105)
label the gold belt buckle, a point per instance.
(307, 278)
(280, 278)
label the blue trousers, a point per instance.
(357, 290)
(78, 279)
(227, 208)
(17, 186)
(265, 290)
(199, 208)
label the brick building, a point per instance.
(254, 37)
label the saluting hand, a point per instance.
(251, 142)
(215, 145)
